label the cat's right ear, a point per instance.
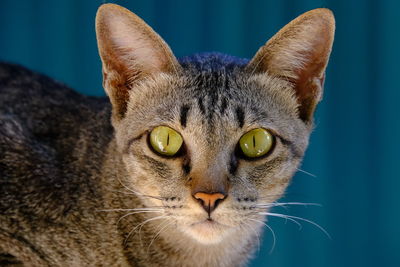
(130, 51)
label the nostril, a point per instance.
(209, 201)
(201, 201)
(217, 202)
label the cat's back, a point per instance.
(45, 106)
(51, 143)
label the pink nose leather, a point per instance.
(209, 201)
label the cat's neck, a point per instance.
(233, 250)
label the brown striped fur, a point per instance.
(69, 203)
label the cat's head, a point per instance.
(214, 139)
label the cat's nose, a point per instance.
(209, 201)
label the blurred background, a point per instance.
(354, 156)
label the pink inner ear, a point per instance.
(133, 46)
(130, 51)
(309, 93)
(311, 76)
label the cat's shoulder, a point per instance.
(47, 132)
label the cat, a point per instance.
(177, 168)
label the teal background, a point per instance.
(354, 151)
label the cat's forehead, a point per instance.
(213, 95)
(220, 87)
(216, 92)
(211, 85)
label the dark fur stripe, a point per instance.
(156, 166)
(233, 165)
(240, 116)
(201, 105)
(184, 113)
(224, 105)
(37, 251)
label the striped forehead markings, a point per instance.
(209, 108)
(184, 114)
(240, 115)
(201, 105)
(224, 105)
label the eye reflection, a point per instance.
(256, 143)
(165, 140)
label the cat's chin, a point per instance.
(208, 231)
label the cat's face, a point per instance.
(212, 113)
(210, 188)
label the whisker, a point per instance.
(306, 172)
(272, 232)
(278, 204)
(138, 193)
(140, 228)
(290, 217)
(136, 212)
(158, 233)
(141, 224)
(126, 187)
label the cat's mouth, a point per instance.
(208, 231)
(208, 222)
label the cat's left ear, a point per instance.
(299, 53)
(130, 51)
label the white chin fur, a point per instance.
(207, 232)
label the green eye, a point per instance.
(165, 140)
(256, 143)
